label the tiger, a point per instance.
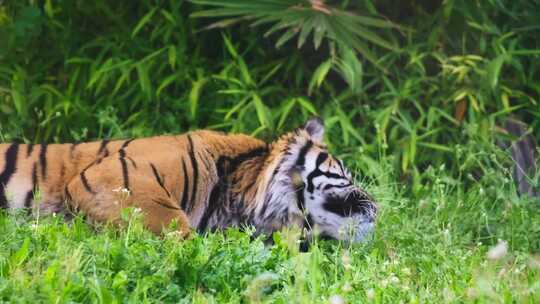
(201, 180)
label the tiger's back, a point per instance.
(35, 175)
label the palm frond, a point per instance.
(313, 18)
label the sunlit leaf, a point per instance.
(319, 75)
(144, 20)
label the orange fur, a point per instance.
(91, 177)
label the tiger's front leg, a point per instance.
(103, 190)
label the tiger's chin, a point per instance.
(363, 233)
(351, 231)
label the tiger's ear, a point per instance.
(315, 128)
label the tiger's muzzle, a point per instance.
(358, 211)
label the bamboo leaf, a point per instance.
(195, 93)
(319, 75)
(229, 46)
(306, 104)
(286, 37)
(172, 55)
(307, 27)
(165, 83)
(494, 70)
(144, 20)
(263, 112)
(144, 80)
(285, 110)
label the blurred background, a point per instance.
(416, 83)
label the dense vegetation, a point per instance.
(414, 94)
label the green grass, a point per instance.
(414, 95)
(432, 249)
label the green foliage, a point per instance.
(303, 18)
(413, 95)
(91, 70)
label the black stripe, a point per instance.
(133, 163)
(126, 143)
(214, 199)
(225, 166)
(195, 169)
(103, 147)
(185, 193)
(301, 160)
(329, 186)
(264, 207)
(85, 183)
(159, 179)
(321, 158)
(125, 173)
(72, 149)
(316, 173)
(67, 194)
(275, 172)
(62, 172)
(9, 169)
(213, 203)
(30, 194)
(234, 163)
(43, 160)
(29, 149)
(340, 166)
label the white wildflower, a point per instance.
(370, 294)
(499, 251)
(122, 190)
(174, 234)
(346, 259)
(336, 299)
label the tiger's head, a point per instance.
(317, 188)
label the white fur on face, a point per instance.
(327, 191)
(308, 186)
